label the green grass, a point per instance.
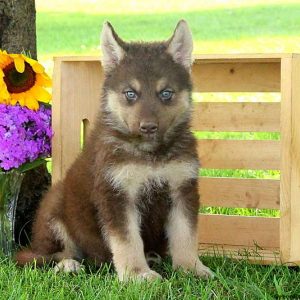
(234, 280)
(272, 28)
(132, 6)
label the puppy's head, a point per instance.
(147, 88)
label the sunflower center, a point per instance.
(19, 82)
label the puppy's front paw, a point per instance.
(197, 267)
(202, 271)
(146, 275)
(68, 266)
(149, 276)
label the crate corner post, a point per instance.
(290, 160)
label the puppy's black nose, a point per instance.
(148, 127)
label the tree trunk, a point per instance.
(18, 35)
(17, 26)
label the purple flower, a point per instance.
(25, 135)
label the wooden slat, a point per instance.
(202, 58)
(239, 231)
(228, 73)
(236, 77)
(239, 154)
(77, 88)
(290, 161)
(252, 254)
(211, 116)
(242, 57)
(236, 192)
(286, 160)
(295, 155)
(56, 123)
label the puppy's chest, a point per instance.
(134, 178)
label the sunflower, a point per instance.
(22, 80)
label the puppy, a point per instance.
(133, 189)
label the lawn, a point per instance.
(230, 29)
(218, 27)
(234, 280)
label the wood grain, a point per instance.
(241, 57)
(239, 154)
(77, 97)
(253, 255)
(56, 123)
(295, 156)
(237, 192)
(249, 116)
(239, 231)
(203, 58)
(290, 161)
(236, 76)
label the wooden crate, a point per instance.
(76, 96)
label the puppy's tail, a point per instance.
(27, 256)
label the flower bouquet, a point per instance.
(25, 132)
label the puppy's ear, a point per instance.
(180, 45)
(111, 46)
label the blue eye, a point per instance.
(130, 95)
(166, 95)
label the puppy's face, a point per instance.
(147, 92)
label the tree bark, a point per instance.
(18, 35)
(17, 26)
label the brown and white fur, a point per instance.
(133, 189)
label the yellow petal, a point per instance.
(3, 88)
(37, 67)
(4, 60)
(31, 102)
(20, 97)
(13, 101)
(19, 63)
(31, 61)
(43, 80)
(40, 94)
(4, 95)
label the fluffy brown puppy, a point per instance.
(133, 189)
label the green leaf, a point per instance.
(31, 165)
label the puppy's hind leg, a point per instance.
(44, 244)
(67, 258)
(68, 265)
(50, 240)
(153, 258)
